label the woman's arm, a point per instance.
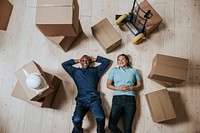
(112, 87)
(134, 88)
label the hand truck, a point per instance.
(136, 21)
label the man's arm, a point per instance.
(103, 66)
(68, 65)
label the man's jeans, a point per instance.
(125, 106)
(83, 105)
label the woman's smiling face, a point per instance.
(122, 61)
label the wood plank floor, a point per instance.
(178, 35)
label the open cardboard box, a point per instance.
(106, 35)
(57, 17)
(46, 101)
(5, 13)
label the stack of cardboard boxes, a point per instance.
(5, 12)
(166, 71)
(59, 21)
(23, 92)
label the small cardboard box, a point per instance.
(65, 42)
(33, 67)
(57, 17)
(160, 105)
(169, 70)
(106, 35)
(153, 22)
(45, 102)
(5, 13)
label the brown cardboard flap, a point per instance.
(65, 42)
(5, 13)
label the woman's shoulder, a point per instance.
(114, 68)
(133, 69)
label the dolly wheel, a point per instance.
(120, 20)
(138, 38)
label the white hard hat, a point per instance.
(35, 81)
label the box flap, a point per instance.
(5, 13)
(19, 93)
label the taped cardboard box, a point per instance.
(169, 70)
(5, 13)
(57, 17)
(22, 74)
(160, 105)
(106, 35)
(153, 22)
(45, 102)
(66, 42)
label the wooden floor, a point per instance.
(178, 35)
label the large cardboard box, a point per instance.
(65, 42)
(29, 68)
(57, 17)
(153, 22)
(45, 102)
(5, 13)
(160, 105)
(106, 35)
(168, 70)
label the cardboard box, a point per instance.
(45, 102)
(153, 22)
(33, 67)
(57, 17)
(5, 13)
(106, 35)
(65, 42)
(160, 105)
(169, 70)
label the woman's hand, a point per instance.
(124, 88)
